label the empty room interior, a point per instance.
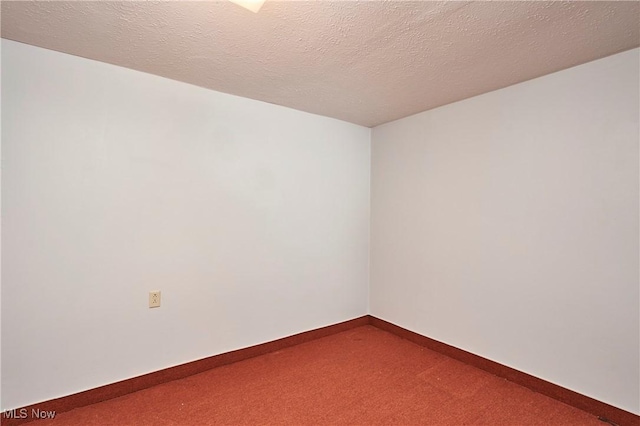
(320, 212)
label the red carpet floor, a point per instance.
(359, 377)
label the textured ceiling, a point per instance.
(366, 62)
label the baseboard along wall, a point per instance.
(600, 409)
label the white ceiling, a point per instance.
(366, 62)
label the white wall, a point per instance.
(507, 225)
(252, 219)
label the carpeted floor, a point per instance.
(362, 376)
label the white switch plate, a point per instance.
(154, 299)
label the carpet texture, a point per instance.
(363, 376)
